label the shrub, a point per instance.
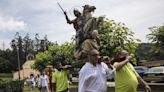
(11, 86)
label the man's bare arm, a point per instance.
(122, 63)
(142, 82)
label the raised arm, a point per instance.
(68, 20)
(122, 63)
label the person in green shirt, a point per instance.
(126, 78)
(60, 78)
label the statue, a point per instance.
(87, 45)
(90, 43)
(88, 20)
(86, 30)
(78, 26)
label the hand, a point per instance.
(65, 13)
(70, 82)
(148, 89)
(129, 58)
(110, 66)
(104, 59)
(67, 66)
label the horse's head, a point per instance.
(89, 8)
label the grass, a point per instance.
(28, 89)
(5, 76)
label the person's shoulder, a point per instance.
(130, 65)
(85, 68)
(104, 65)
(115, 63)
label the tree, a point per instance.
(17, 51)
(56, 53)
(5, 63)
(36, 43)
(42, 60)
(157, 37)
(62, 53)
(116, 36)
(27, 44)
(6, 66)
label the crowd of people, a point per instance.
(39, 81)
(59, 80)
(93, 75)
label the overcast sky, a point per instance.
(46, 18)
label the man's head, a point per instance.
(31, 75)
(122, 55)
(93, 56)
(43, 73)
(59, 66)
(76, 12)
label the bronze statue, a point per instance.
(78, 26)
(88, 20)
(77, 22)
(86, 33)
(90, 43)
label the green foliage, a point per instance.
(5, 61)
(147, 51)
(116, 36)
(62, 53)
(55, 53)
(5, 66)
(42, 60)
(11, 86)
(5, 76)
(22, 46)
(157, 37)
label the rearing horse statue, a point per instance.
(89, 22)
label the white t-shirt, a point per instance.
(43, 80)
(32, 81)
(94, 78)
(38, 81)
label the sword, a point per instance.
(60, 7)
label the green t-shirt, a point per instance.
(61, 80)
(126, 79)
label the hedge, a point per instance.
(11, 86)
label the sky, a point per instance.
(46, 18)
